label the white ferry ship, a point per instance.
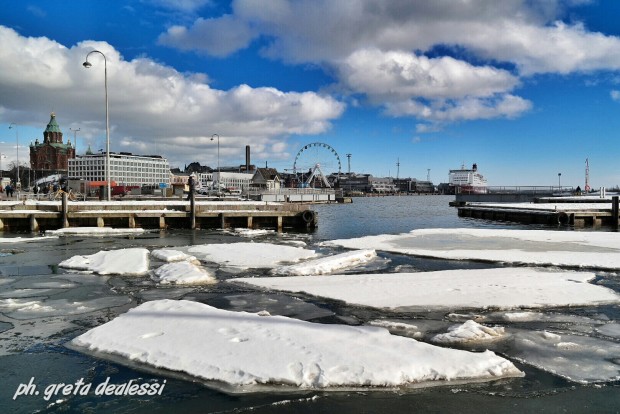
(468, 181)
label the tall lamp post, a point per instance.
(14, 125)
(559, 181)
(87, 65)
(75, 131)
(218, 162)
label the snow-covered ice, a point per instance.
(25, 239)
(574, 357)
(172, 255)
(503, 288)
(242, 349)
(93, 231)
(327, 264)
(470, 331)
(610, 329)
(252, 232)
(183, 273)
(600, 250)
(250, 255)
(130, 262)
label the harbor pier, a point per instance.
(29, 215)
(583, 212)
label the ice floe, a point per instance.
(470, 331)
(610, 329)
(250, 255)
(25, 239)
(328, 264)
(243, 349)
(574, 357)
(503, 288)
(252, 232)
(31, 309)
(171, 255)
(183, 273)
(130, 262)
(600, 250)
(94, 231)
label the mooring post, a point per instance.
(192, 210)
(614, 212)
(65, 209)
(34, 225)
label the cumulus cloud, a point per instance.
(398, 74)
(387, 50)
(503, 105)
(615, 95)
(153, 108)
(529, 34)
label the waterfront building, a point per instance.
(236, 182)
(52, 155)
(266, 179)
(125, 169)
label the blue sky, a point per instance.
(524, 89)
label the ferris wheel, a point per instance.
(317, 158)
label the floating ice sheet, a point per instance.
(171, 255)
(599, 250)
(250, 255)
(33, 308)
(470, 331)
(328, 264)
(94, 231)
(503, 288)
(24, 239)
(131, 262)
(243, 349)
(183, 273)
(574, 357)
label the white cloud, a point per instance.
(529, 34)
(153, 108)
(504, 105)
(615, 95)
(377, 48)
(398, 74)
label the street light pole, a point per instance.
(218, 162)
(17, 181)
(75, 131)
(87, 65)
(559, 182)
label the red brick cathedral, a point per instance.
(51, 156)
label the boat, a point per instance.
(467, 181)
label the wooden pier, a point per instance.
(553, 211)
(36, 216)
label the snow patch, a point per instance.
(243, 349)
(183, 273)
(470, 331)
(250, 255)
(128, 262)
(328, 264)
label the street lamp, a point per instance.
(559, 182)
(218, 162)
(14, 125)
(75, 131)
(87, 65)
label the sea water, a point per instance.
(33, 351)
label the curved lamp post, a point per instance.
(218, 162)
(87, 65)
(11, 126)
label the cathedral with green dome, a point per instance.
(51, 156)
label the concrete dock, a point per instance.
(550, 211)
(30, 215)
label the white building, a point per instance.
(234, 182)
(125, 169)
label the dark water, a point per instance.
(35, 346)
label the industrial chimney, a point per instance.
(247, 158)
